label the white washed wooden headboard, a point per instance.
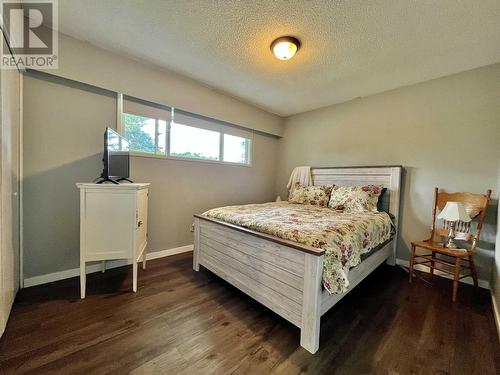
(388, 176)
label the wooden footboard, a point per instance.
(268, 272)
(284, 279)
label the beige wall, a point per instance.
(63, 141)
(445, 132)
(63, 138)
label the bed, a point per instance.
(285, 275)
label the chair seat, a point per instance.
(438, 247)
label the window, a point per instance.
(195, 143)
(145, 134)
(236, 149)
(156, 130)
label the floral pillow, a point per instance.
(355, 198)
(314, 195)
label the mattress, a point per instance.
(345, 237)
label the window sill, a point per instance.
(153, 156)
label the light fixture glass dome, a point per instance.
(285, 47)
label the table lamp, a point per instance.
(453, 212)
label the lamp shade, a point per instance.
(454, 211)
(285, 47)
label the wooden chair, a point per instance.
(454, 259)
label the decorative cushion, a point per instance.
(355, 198)
(314, 195)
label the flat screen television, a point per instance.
(116, 158)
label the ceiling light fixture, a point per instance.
(285, 47)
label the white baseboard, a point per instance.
(66, 274)
(496, 312)
(420, 267)
(169, 252)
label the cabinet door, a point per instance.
(142, 219)
(109, 225)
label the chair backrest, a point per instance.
(474, 204)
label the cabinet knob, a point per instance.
(139, 223)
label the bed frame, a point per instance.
(284, 275)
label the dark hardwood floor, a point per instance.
(182, 322)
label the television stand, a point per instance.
(102, 180)
(124, 179)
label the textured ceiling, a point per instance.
(350, 48)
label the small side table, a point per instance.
(113, 225)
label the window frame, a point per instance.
(167, 155)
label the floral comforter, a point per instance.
(343, 236)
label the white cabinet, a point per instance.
(113, 225)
